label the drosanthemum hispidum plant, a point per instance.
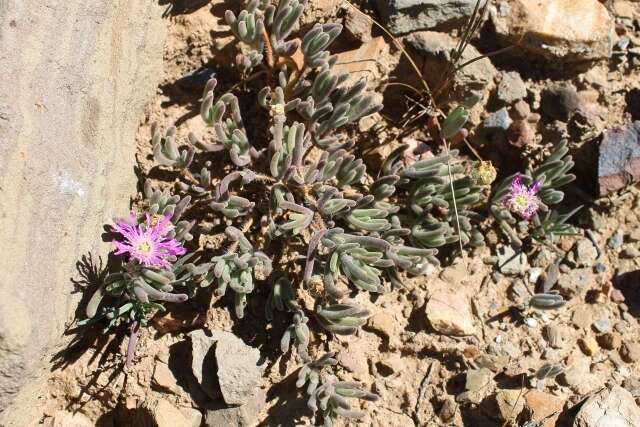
(151, 248)
(299, 209)
(531, 196)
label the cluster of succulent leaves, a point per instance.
(362, 229)
(547, 224)
(137, 291)
(329, 394)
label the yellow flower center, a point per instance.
(144, 247)
(521, 201)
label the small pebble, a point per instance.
(601, 268)
(616, 239)
(602, 325)
(630, 252)
(531, 322)
(617, 296)
(589, 345)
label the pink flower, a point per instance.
(148, 242)
(523, 200)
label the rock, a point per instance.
(616, 240)
(203, 362)
(363, 62)
(623, 9)
(602, 325)
(563, 30)
(510, 262)
(630, 351)
(612, 408)
(630, 252)
(575, 281)
(66, 165)
(553, 335)
(511, 88)
(385, 324)
(498, 120)
(449, 313)
(589, 345)
(434, 53)
(520, 134)
(167, 415)
(406, 16)
(610, 341)
(509, 404)
(392, 364)
(192, 415)
(585, 253)
(352, 362)
(238, 372)
(238, 416)
(632, 385)
(619, 158)
(358, 25)
(163, 377)
(582, 317)
(68, 419)
(455, 275)
(448, 409)
(479, 384)
(560, 101)
(521, 110)
(542, 406)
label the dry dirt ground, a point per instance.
(420, 375)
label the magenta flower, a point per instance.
(523, 200)
(148, 242)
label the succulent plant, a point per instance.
(549, 177)
(304, 187)
(328, 394)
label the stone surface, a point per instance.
(542, 406)
(610, 341)
(83, 72)
(163, 377)
(619, 159)
(556, 29)
(358, 25)
(405, 16)
(560, 101)
(238, 372)
(363, 62)
(611, 408)
(479, 383)
(166, 415)
(509, 404)
(575, 281)
(630, 351)
(510, 262)
(585, 253)
(589, 345)
(203, 362)
(434, 53)
(237, 416)
(68, 419)
(385, 324)
(511, 88)
(449, 312)
(498, 120)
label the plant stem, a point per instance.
(133, 341)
